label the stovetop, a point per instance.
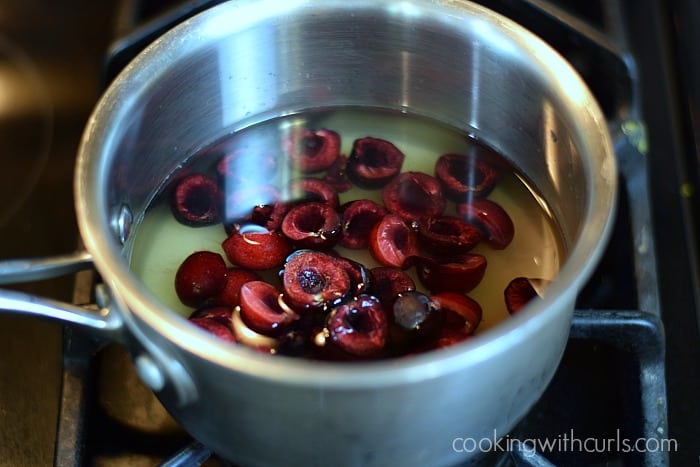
(631, 368)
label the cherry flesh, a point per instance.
(458, 274)
(373, 162)
(494, 221)
(314, 189)
(313, 280)
(196, 200)
(393, 243)
(359, 326)
(263, 309)
(462, 316)
(312, 151)
(359, 218)
(448, 235)
(414, 196)
(463, 177)
(230, 294)
(312, 225)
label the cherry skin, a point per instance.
(200, 277)
(256, 249)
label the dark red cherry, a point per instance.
(457, 274)
(448, 235)
(388, 282)
(200, 277)
(263, 309)
(359, 326)
(269, 216)
(373, 162)
(230, 294)
(196, 200)
(393, 243)
(414, 196)
(462, 316)
(360, 278)
(491, 218)
(215, 327)
(520, 291)
(359, 218)
(256, 249)
(245, 166)
(417, 316)
(337, 176)
(312, 225)
(313, 189)
(313, 280)
(243, 202)
(313, 150)
(465, 177)
(222, 314)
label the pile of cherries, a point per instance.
(324, 305)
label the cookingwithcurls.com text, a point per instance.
(564, 442)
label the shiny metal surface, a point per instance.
(26, 270)
(246, 62)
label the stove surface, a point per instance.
(50, 53)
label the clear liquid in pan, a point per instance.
(160, 243)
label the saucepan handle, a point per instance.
(102, 322)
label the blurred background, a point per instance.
(50, 66)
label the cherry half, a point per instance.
(464, 177)
(312, 225)
(491, 218)
(359, 218)
(263, 309)
(313, 280)
(359, 326)
(313, 150)
(393, 243)
(520, 291)
(455, 274)
(414, 196)
(448, 235)
(196, 200)
(373, 162)
(462, 316)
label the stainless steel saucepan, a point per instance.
(244, 62)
